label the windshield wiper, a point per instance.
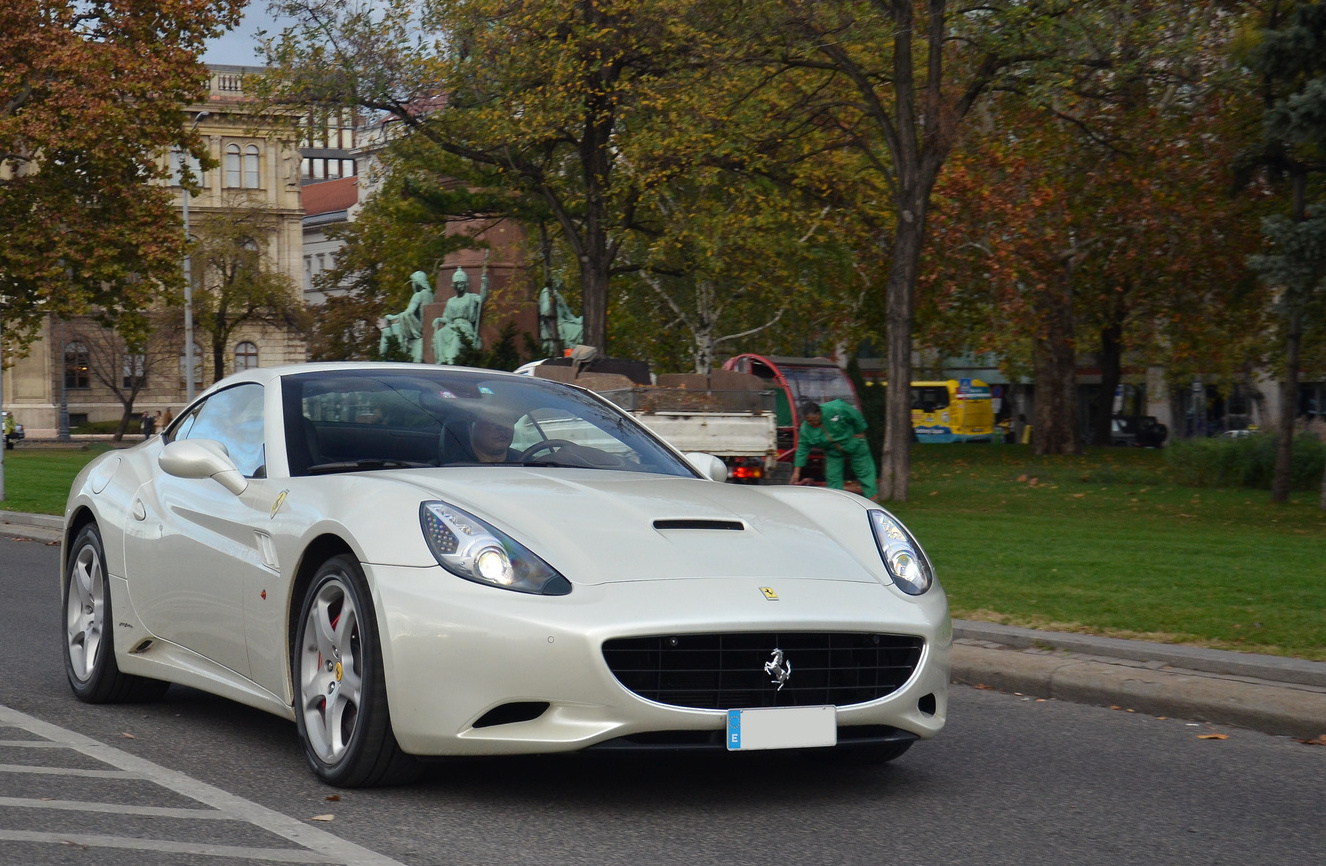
(361, 465)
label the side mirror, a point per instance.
(202, 458)
(708, 465)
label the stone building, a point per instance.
(259, 167)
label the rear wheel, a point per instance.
(89, 647)
(341, 691)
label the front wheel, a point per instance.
(341, 691)
(89, 649)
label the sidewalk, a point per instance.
(1272, 694)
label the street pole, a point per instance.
(4, 446)
(63, 434)
(188, 276)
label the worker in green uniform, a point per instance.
(838, 428)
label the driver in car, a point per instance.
(490, 439)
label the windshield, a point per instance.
(819, 384)
(389, 418)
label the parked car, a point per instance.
(327, 542)
(1143, 431)
(13, 431)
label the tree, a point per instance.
(125, 365)
(234, 281)
(1093, 214)
(90, 96)
(543, 99)
(901, 113)
(1290, 62)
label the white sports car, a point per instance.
(413, 561)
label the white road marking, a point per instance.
(68, 771)
(279, 855)
(116, 809)
(327, 847)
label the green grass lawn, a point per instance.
(1102, 543)
(1105, 544)
(38, 479)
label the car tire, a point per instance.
(89, 645)
(340, 688)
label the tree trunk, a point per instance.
(896, 459)
(124, 423)
(1111, 374)
(1284, 444)
(1054, 420)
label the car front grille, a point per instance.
(727, 671)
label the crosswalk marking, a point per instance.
(116, 809)
(278, 855)
(317, 846)
(68, 771)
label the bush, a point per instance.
(1248, 461)
(105, 427)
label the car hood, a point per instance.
(607, 527)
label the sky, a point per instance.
(239, 47)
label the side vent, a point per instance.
(508, 714)
(699, 523)
(141, 647)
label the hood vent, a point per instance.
(699, 523)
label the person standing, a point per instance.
(838, 428)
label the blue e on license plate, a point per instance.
(781, 728)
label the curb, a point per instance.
(1224, 662)
(1267, 707)
(20, 523)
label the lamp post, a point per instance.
(63, 433)
(188, 277)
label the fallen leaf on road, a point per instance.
(1212, 737)
(983, 687)
(52, 544)
(1115, 707)
(334, 798)
(127, 735)
(323, 818)
(1320, 741)
(1161, 718)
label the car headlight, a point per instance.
(903, 557)
(475, 550)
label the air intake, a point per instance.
(699, 523)
(722, 671)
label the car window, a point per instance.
(390, 418)
(232, 417)
(930, 398)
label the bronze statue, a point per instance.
(461, 317)
(556, 321)
(407, 326)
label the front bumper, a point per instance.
(454, 650)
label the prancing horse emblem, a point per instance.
(779, 668)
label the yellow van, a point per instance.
(958, 410)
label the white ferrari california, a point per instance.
(412, 561)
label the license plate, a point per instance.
(781, 728)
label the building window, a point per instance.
(133, 372)
(232, 165)
(308, 273)
(76, 366)
(246, 356)
(252, 176)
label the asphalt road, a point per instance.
(1011, 780)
